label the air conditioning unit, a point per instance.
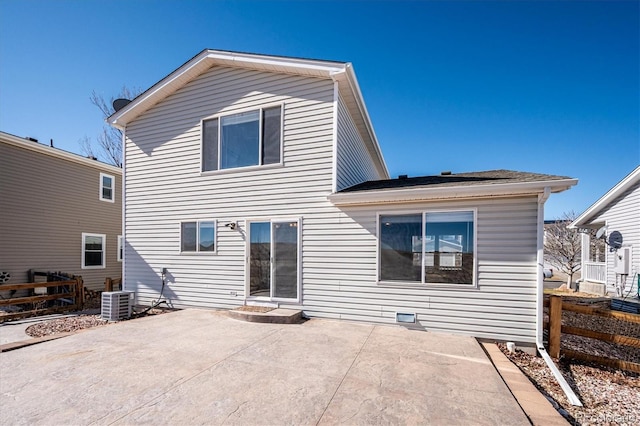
(116, 305)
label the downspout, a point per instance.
(334, 135)
(571, 396)
(123, 284)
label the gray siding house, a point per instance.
(59, 212)
(258, 179)
(615, 269)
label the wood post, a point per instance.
(555, 325)
(108, 284)
(79, 292)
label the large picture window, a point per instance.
(198, 236)
(251, 138)
(430, 247)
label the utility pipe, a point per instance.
(571, 396)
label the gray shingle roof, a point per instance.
(488, 177)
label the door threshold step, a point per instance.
(275, 316)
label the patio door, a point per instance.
(273, 259)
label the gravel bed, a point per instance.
(609, 396)
(66, 324)
(80, 322)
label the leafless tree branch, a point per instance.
(108, 144)
(563, 246)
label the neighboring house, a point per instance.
(617, 215)
(259, 180)
(61, 212)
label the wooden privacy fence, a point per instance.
(70, 293)
(555, 329)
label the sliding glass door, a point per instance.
(274, 259)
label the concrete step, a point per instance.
(276, 316)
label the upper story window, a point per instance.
(252, 138)
(428, 247)
(107, 187)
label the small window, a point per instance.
(93, 250)
(107, 187)
(251, 138)
(120, 248)
(198, 236)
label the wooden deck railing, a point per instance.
(555, 328)
(71, 292)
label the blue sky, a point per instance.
(548, 87)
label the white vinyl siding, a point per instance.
(623, 215)
(340, 273)
(354, 163)
(165, 185)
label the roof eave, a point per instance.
(57, 153)
(448, 192)
(353, 83)
(207, 58)
(595, 209)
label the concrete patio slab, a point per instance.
(198, 366)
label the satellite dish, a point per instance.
(615, 240)
(601, 232)
(120, 103)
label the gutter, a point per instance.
(571, 396)
(447, 192)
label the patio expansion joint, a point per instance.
(188, 379)
(346, 374)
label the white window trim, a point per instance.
(197, 252)
(104, 251)
(259, 166)
(247, 288)
(113, 188)
(423, 283)
(120, 252)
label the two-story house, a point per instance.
(258, 179)
(60, 212)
